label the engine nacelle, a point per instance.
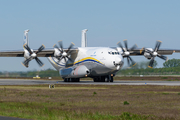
(56, 52)
(78, 72)
(146, 54)
(26, 54)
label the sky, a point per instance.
(141, 22)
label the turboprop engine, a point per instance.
(30, 54)
(150, 53)
(71, 72)
(147, 54)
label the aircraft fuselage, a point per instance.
(94, 61)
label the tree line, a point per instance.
(170, 67)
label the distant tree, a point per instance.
(172, 63)
(155, 64)
(144, 65)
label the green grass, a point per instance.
(94, 93)
(89, 102)
(126, 103)
(38, 111)
(165, 93)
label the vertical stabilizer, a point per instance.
(26, 37)
(84, 38)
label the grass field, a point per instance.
(89, 102)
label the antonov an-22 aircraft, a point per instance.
(99, 63)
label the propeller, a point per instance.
(63, 54)
(126, 52)
(33, 55)
(154, 53)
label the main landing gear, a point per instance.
(108, 78)
(71, 80)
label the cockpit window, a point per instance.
(113, 53)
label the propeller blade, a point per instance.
(158, 44)
(69, 59)
(55, 46)
(40, 49)
(162, 57)
(132, 61)
(71, 45)
(128, 61)
(60, 58)
(120, 45)
(26, 62)
(133, 47)
(28, 49)
(40, 63)
(151, 63)
(61, 46)
(125, 43)
(64, 59)
(148, 51)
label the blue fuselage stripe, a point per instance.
(88, 60)
(57, 63)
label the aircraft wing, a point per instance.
(140, 51)
(43, 53)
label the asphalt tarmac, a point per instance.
(88, 82)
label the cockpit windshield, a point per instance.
(113, 53)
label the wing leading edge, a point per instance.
(141, 51)
(43, 53)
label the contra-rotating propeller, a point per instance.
(33, 55)
(154, 53)
(126, 52)
(63, 54)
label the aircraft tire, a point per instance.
(111, 79)
(65, 80)
(106, 79)
(95, 79)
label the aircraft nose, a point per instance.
(118, 62)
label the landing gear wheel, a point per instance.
(65, 80)
(71, 80)
(111, 79)
(95, 79)
(106, 79)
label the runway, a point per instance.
(84, 82)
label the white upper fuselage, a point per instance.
(101, 60)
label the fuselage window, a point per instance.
(112, 53)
